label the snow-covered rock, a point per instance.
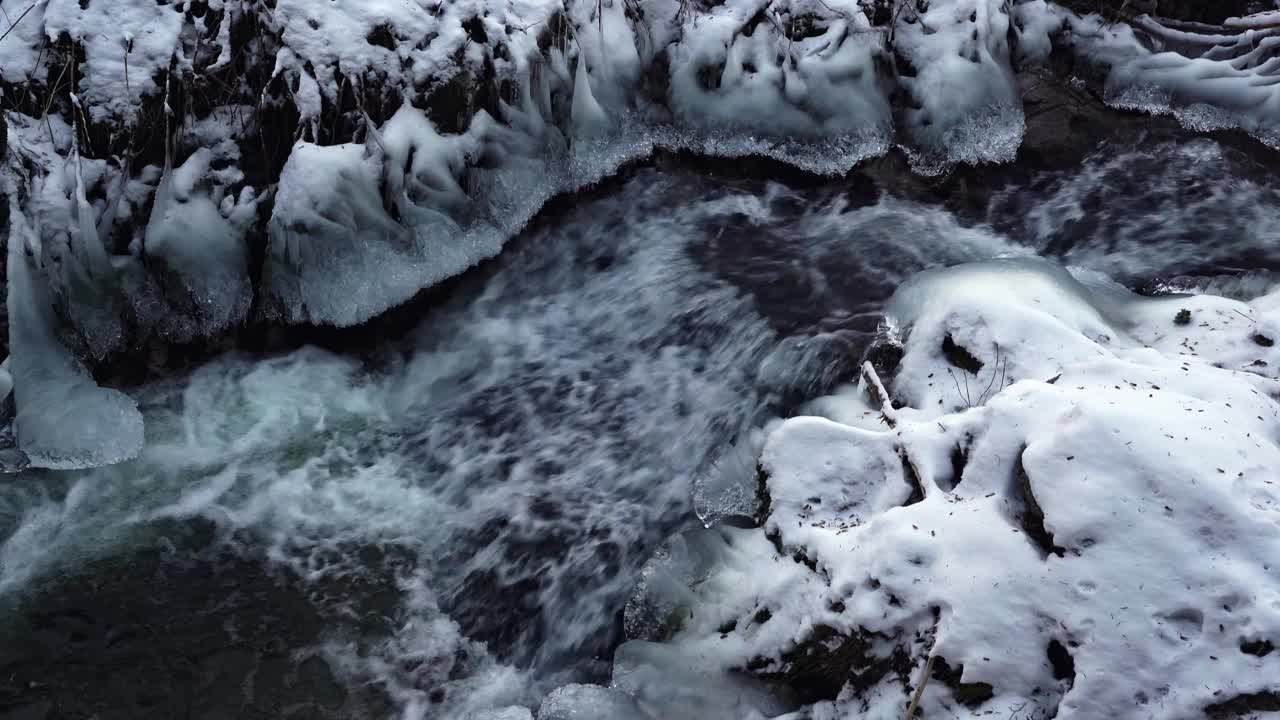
(1090, 532)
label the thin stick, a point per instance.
(14, 24)
(956, 383)
(924, 680)
(991, 384)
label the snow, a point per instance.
(126, 46)
(1095, 536)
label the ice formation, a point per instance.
(1209, 77)
(64, 420)
(1019, 520)
(368, 150)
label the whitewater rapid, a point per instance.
(465, 508)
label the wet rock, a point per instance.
(1263, 340)
(1183, 317)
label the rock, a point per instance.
(1183, 317)
(960, 358)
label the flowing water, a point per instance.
(454, 519)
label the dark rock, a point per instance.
(764, 500)
(1260, 648)
(1183, 317)
(959, 459)
(1064, 666)
(958, 357)
(1031, 518)
(971, 695)
(819, 667)
(1263, 340)
(1244, 705)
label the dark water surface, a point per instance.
(453, 519)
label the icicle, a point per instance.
(589, 119)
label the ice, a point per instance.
(669, 685)
(6, 380)
(64, 420)
(590, 702)
(965, 102)
(201, 252)
(1094, 542)
(511, 713)
(661, 602)
(1209, 78)
(786, 69)
(1207, 94)
(334, 249)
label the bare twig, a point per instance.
(878, 396)
(983, 398)
(924, 680)
(14, 24)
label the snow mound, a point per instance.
(1093, 537)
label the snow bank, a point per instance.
(1092, 536)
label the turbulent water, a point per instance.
(454, 519)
